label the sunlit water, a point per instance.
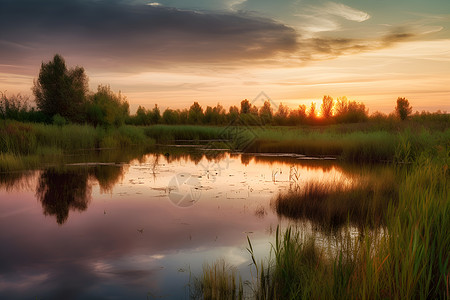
(141, 228)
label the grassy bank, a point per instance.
(331, 205)
(351, 143)
(26, 145)
(408, 260)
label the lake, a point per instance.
(121, 226)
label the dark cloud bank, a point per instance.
(117, 36)
(135, 35)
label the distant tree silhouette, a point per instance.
(312, 111)
(266, 113)
(245, 106)
(233, 113)
(298, 116)
(350, 111)
(59, 90)
(281, 116)
(170, 117)
(341, 106)
(195, 115)
(155, 116)
(403, 109)
(327, 107)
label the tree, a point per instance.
(341, 107)
(106, 108)
(327, 107)
(155, 116)
(297, 116)
(403, 109)
(170, 117)
(281, 115)
(312, 111)
(266, 112)
(195, 115)
(245, 106)
(59, 90)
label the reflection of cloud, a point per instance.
(24, 282)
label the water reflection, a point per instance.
(130, 239)
(61, 191)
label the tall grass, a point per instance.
(23, 145)
(408, 260)
(173, 133)
(352, 144)
(218, 281)
(331, 205)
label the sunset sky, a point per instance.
(174, 52)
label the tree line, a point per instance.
(62, 96)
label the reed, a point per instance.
(409, 259)
(24, 145)
(332, 205)
(218, 281)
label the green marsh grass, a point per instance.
(218, 281)
(348, 143)
(24, 145)
(331, 205)
(173, 133)
(408, 259)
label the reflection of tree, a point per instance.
(107, 176)
(60, 191)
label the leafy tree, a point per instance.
(155, 116)
(327, 107)
(13, 107)
(266, 113)
(281, 116)
(59, 90)
(350, 111)
(170, 116)
(208, 117)
(297, 116)
(245, 106)
(219, 114)
(233, 113)
(341, 106)
(106, 108)
(183, 115)
(403, 109)
(195, 115)
(312, 111)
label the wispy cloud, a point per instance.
(346, 12)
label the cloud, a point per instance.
(114, 36)
(346, 12)
(122, 36)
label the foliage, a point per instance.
(327, 107)
(59, 90)
(195, 115)
(403, 109)
(106, 108)
(350, 111)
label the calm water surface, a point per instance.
(139, 229)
